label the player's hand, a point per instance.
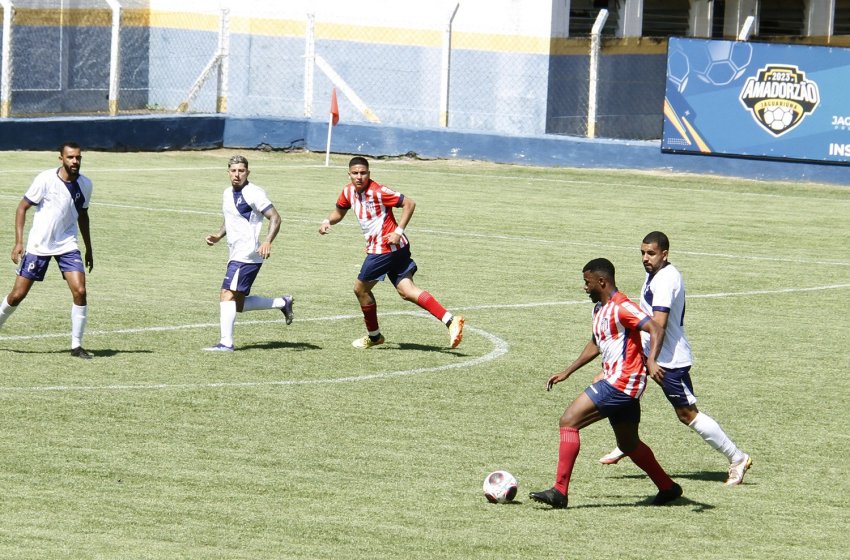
(212, 240)
(17, 253)
(555, 379)
(89, 261)
(656, 372)
(392, 238)
(265, 249)
(325, 228)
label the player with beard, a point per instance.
(61, 198)
(617, 324)
(663, 298)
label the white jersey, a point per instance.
(243, 220)
(665, 291)
(57, 205)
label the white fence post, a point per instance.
(114, 57)
(446, 70)
(595, 48)
(747, 29)
(224, 63)
(6, 71)
(309, 63)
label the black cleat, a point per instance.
(552, 496)
(667, 496)
(78, 352)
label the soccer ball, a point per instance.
(778, 117)
(720, 63)
(500, 487)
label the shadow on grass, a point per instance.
(278, 345)
(709, 476)
(684, 501)
(428, 348)
(101, 353)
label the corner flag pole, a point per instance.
(333, 118)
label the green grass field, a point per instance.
(298, 446)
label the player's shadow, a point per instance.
(708, 476)
(427, 348)
(684, 501)
(100, 353)
(279, 345)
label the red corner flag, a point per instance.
(334, 107)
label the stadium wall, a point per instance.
(194, 132)
(513, 69)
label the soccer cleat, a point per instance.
(613, 457)
(219, 348)
(667, 496)
(738, 470)
(79, 352)
(287, 309)
(552, 496)
(367, 342)
(456, 331)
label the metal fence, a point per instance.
(111, 57)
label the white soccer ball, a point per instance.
(500, 487)
(778, 117)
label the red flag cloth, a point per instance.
(334, 108)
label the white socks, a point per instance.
(78, 324)
(714, 435)
(6, 310)
(226, 320)
(253, 303)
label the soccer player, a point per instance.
(387, 251)
(244, 205)
(663, 298)
(617, 323)
(61, 198)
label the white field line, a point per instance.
(499, 237)
(500, 347)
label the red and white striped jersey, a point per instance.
(616, 331)
(374, 209)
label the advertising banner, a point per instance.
(757, 100)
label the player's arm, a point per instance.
(85, 233)
(265, 248)
(336, 215)
(407, 207)
(214, 238)
(656, 338)
(591, 350)
(20, 221)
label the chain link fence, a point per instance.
(409, 68)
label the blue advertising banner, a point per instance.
(757, 100)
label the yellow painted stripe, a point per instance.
(674, 120)
(703, 147)
(427, 38)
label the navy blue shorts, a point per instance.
(34, 267)
(395, 266)
(614, 404)
(240, 276)
(677, 386)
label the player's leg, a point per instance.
(369, 308)
(19, 291)
(402, 277)
(642, 456)
(581, 413)
(236, 285)
(71, 266)
(679, 390)
(283, 303)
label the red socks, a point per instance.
(370, 317)
(567, 453)
(427, 302)
(643, 457)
